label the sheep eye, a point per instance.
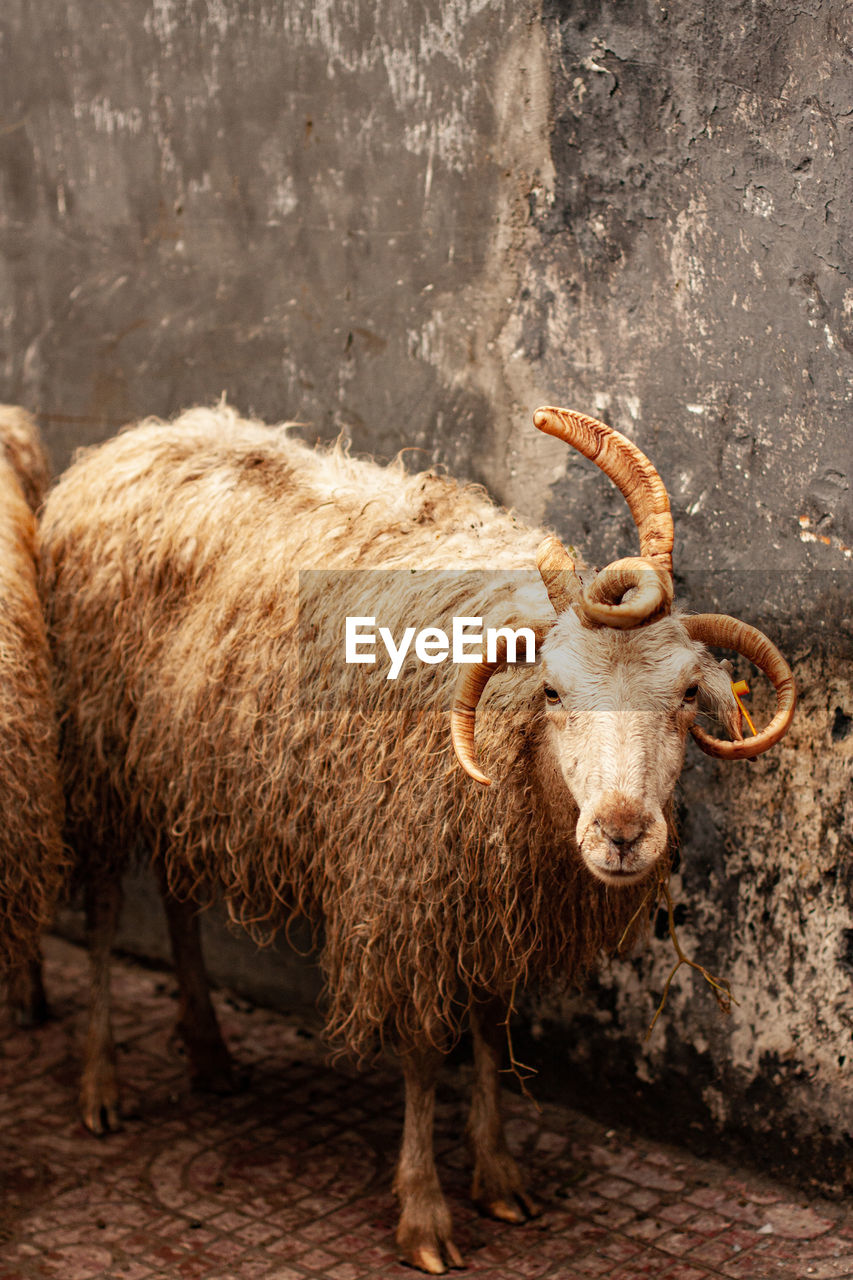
(551, 696)
(691, 693)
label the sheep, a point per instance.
(32, 860)
(208, 715)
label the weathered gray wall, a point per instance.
(416, 222)
(690, 280)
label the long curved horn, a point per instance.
(628, 468)
(646, 496)
(470, 685)
(731, 633)
(469, 690)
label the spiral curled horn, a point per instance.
(731, 633)
(648, 579)
(648, 576)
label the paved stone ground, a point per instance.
(291, 1178)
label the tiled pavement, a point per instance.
(291, 1177)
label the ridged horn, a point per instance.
(557, 568)
(650, 574)
(628, 468)
(731, 633)
(470, 686)
(652, 599)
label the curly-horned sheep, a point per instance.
(32, 862)
(208, 716)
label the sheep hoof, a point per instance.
(102, 1119)
(99, 1105)
(516, 1210)
(428, 1260)
(431, 1259)
(454, 1256)
(429, 1249)
(504, 1211)
(528, 1204)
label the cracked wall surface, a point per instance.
(412, 224)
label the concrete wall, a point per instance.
(413, 223)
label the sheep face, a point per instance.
(619, 705)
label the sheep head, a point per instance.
(618, 707)
(623, 681)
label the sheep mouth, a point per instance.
(621, 876)
(621, 857)
(618, 864)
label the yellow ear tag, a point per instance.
(740, 688)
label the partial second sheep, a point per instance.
(209, 716)
(32, 865)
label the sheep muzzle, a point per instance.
(620, 839)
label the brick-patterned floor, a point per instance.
(291, 1177)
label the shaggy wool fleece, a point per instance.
(207, 709)
(32, 864)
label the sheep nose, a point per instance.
(622, 822)
(622, 834)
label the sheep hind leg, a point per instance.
(99, 1093)
(498, 1186)
(210, 1062)
(25, 994)
(424, 1231)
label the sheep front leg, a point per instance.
(498, 1187)
(424, 1231)
(197, 1024)
(99, 1095)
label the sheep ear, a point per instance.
(720, 704)
(728, 711)
(716, 697)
